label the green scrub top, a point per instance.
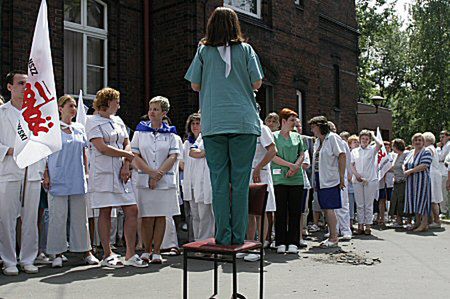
(228, 104)
(288, 150)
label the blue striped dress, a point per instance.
(418, 185)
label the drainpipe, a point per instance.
(1, 38)
(147, 48)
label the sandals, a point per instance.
(367, 232)
(112, 261)
(156, 259)
(135, 261)
(328, 244)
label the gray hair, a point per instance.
(163, 101)
(429, 137)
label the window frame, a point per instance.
(299, 95)
(243, 11)
(89, 31)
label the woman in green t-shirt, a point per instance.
(288, 182)
(226, 71)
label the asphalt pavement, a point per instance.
(389, 263)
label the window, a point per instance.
(264, 97)
(337, 86)
(300, 105)
(85, 46)
(250, 7)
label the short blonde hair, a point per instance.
(351, 139)
(64, 99)
(104, 96)
(429, 137)
(417, 135)
(365, 133)
(163, 101)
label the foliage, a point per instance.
(409, 68)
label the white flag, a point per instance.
(384, 163)
(38, 130)
(81, 110)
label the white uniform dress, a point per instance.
(104, 184)
(262, 142)
(11, 188)
(436, 177)
(155, 148)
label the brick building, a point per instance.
(308, 49)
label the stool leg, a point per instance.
(235, 293)
(261, 273)
(216, 288)
(185, 276)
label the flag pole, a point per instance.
(24, 186)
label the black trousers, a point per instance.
(287, 217)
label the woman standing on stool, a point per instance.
(157, 151)
(67, 189)
(226, 71)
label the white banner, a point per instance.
(384, 163)
(81, 110)
(38, 131)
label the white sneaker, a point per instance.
(135, 261)
(266, 244)
(434, 225)
(64, 258)
(346, 237)
(29, 269)
(11, 271)
(42, 259)
(57, 262)
(281, 249)
(146, 257)
(303, 244)
(313, 228)
(292, 249)
(327, 235)
(273, 245)
(252, 257)
(91, 260)
(241, 255)
(156, 259)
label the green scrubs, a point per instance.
(230, 126)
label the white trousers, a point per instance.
(445, 196)
(170, 239)
(10, 209)
(59, 209)
(364, 197)
(202, 220)
(343, 215)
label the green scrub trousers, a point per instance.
(229, 158)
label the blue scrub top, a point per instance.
(228, 104)
(66, 167)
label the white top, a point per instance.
(155, 149)
(307, 161)
(435, 167)
(365, 160)
(201, 180)
(389, 177)
(9, 171)
(442, 152)
(262, 142)
(329, 160)
(104, 171)
(188, 173)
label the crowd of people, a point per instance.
(110, 181)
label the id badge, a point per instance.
(276, 171)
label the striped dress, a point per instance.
(418, 185)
